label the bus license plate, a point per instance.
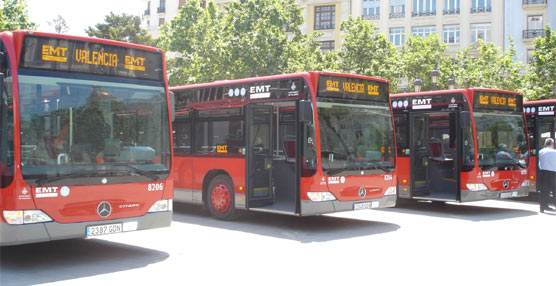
(365, 206)
(508, 195)
(104, 229)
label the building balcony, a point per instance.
(532, 34)
(423, 13)
(534, 2)
(481, 10)
(161, 10)
(372, 17)
(397, 15)
(451, 11)
(147, 12)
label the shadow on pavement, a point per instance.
(457, 211)
(302, 229)
(69, 259)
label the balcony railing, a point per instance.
(451, 12)
(481, 10)
(532, 34)
(423, 13)
(372, 17)
(533, 2)
(397, 15)
(161, 9)
(147, 12)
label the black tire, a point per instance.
(220, 199)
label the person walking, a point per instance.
(547, 168)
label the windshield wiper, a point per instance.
(383, 168)
(137, 170)
(375, 166)
(148, 174)
(40, 182)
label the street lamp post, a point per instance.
(418, 84)
(434, 77)
(451, 83)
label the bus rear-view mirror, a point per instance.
(305, 111)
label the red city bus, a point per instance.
(298, 144)
(86, 138)
(460, 145)
(540, 125)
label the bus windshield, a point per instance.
(356, 138)
(75, 128)
(501, 141)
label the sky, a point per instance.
(79, 14)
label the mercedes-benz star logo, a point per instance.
(104, 209)
(506, 184)
(362, 192)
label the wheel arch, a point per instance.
(211, 175)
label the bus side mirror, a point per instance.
(305, 111)
(465, 119)
(172, 105)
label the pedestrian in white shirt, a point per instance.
(547, 168)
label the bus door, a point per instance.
(545, 129)
(259, 155)
(434, 166)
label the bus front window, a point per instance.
(356, 138)
(501, 141)
(76, 126)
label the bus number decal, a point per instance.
(156, 187)
(222, 148)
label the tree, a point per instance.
(419, 56)
(59, 24)
(13, 16)
(540, 81)
(124, 27)
(365, 51)
(249, 38)
(493, 68)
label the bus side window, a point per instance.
(402, 134)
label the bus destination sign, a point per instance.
(498, 101)
(67, 55)
(352, 88)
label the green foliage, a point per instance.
(249, 38)
(418, 57)
(540, 82)
(59, 24)
(13, 16)
(124, 27)
(365, 51)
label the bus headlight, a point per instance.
(161, 206)
(525, 183)
(477, 187)
(390, 191)
(25, 217)
(321, 196)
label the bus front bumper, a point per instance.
(315, 208)
(39, 232)
(470, 196)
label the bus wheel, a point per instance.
(220, 198)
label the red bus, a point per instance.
(540, 125)
(85, 140)
(298, 144)
(461, 145)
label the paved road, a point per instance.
(497, 242)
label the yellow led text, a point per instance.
(135, 63)
(353, 87)
(372, 89)
(483, 99)
(332, 85)
(55, 54)
(96, 58)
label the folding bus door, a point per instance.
(259, 155)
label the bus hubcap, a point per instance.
(221, 198)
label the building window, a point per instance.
(397, 8)
(534, 27)
(481, 6)
(480, 31)
(451, 34)
(451, 7)
(161, 21)
(181, 3)
(397, 36)
(371, 9)
(148, 10)
(326, 46)
(423, 31)
(162, 7)
(325, 17)
(424, 8)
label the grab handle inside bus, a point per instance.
(305, 111)
(172, 105)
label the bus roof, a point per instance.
(461, 90)
(541, 101)
(305, 75)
